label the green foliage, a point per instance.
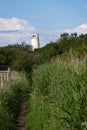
(11, 97)
(58, 100)
(5, 119)
(11, 53)
(20, 56)
(49, 51)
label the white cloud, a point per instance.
(79, 29)
(15, 30)
(53, 35)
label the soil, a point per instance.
(22, 117)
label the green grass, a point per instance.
(58, 100)
(11, 97)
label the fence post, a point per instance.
(5, 76)
(8, 74)
(2, 80)
(84, 124)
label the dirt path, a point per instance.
(22, 116)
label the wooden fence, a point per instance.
(5, 76)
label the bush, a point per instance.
(11, 97)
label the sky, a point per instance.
(19, 19)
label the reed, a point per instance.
(58, 100)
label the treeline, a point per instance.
(21, 57)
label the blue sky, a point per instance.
(19, 19)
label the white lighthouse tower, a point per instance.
(35, 41)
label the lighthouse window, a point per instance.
(33, 35)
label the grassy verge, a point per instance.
(58, 100)
(11, 96)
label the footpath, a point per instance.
(22, 117)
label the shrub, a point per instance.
(11, 97)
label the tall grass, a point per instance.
(11, 96)
(58, 100)
(73, 57)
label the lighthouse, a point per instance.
(35, 41)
